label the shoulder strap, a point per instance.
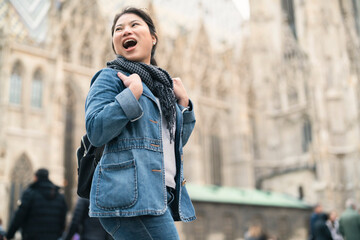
(86, 144)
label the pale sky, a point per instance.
(222, 19)
(243, 7)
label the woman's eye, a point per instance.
(134, 24)
(118, 29)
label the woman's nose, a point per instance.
(126, 31)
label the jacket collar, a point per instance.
(148, 93)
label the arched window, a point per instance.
(288, 9)
(306, 135)
(21, 176)
(37, 90)
(16, 84)
(86, 52)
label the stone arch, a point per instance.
(21, 176)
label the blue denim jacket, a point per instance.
(130, 177)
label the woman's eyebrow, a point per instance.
(121, 24)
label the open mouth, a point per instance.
(129, 43)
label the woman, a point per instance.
(145, 118)
(333, 225)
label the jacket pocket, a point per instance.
(116, 186)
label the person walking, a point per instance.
(89, 228)
(321, 230)
(42, 212)
(317, 210)
(350, 221)
(333, 225)
(144, 118)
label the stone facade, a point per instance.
(45, 79)
(304, 90)
(276, 98)
(219, 221)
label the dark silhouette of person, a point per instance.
(317, 210)
(321, 230)
(42, 211)
(350, 221)
(88, 228)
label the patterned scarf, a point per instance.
(157, 80)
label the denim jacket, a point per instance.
(130, 177)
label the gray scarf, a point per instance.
(157, 80)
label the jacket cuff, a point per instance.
(130, 105)
(188, 113)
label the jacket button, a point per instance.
(183, 182)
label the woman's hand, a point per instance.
(180, 92)
(133, 82)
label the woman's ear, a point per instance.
(153, 37)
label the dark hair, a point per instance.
(42, 174)
(147, 19)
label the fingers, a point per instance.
(122, 76)
(176, 79)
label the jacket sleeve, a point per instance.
(21, 214)
(109, 107)
(188, 121)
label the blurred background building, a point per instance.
(276, 95)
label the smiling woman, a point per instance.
(144, 118)
(132, 38)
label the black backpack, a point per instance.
(88, 157)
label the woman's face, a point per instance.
(132, 38)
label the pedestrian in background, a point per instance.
(255, 232)
(321, 230)
(42, 211)
(333, 225)
(350, 221)
(88, 228)
(144, 118)
(317, 210)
